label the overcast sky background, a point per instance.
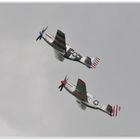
(31, 104)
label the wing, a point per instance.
(59, 42)
(82, 106)
(58, 55)
(81, 87)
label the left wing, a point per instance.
(58, 55)
(80, 91)
(81, 87)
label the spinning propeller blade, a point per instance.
(63, 83)
(41, 34)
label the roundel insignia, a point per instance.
(95, 102)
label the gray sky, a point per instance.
(30, 103)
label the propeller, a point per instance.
(41, 34)
(63, 83)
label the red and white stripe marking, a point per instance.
(116, 109)
(95, 62)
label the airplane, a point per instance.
(85, 99)
(63, 50)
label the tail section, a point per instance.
(115, 110)
(95, 61)
(90, 63)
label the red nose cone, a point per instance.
(64, 82)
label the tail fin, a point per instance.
(95, 61)
(115, 110)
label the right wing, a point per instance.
(82, 106)
(59, 42)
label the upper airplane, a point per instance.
(85, 99)
(63, 50)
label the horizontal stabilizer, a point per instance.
(58, 55)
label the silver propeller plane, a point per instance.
(85, 99)
(63, 50)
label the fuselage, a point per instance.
(69, 53)
(90, 101)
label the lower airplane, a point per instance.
(63, 50)
(85, 99)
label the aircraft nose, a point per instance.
(63, 82)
